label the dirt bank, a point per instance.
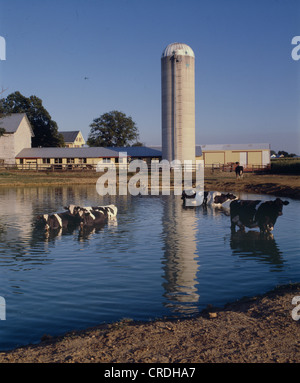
(279, 185)
(259, 329)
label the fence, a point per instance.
(231, 167)
(154, 167)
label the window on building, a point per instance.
(106, 160)
(46, 160)
(58, 161)
(70, 161)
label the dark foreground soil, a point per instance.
(261, 329)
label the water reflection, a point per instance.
(253, 245)
(180, 256)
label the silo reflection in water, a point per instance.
(180, 256)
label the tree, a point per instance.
(44, 128)
(113, 129)
(2, 130)
(283, 153)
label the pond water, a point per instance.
(158, 259)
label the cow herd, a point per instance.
(77, 216)
(243, 213)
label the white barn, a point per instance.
(17, 136)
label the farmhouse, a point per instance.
(73, 139)
(17, 136)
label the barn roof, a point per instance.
(138, 151)
(12, 122)
(235, 147)
(88, 152)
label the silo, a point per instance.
(178, 102)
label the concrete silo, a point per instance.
(178, 102)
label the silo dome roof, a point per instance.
(178, 49)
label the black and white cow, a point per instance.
(213, 199)
(58, 221)
(192, 197)
(255, 213)
(217, 199)
(89, 216)
(239, 170)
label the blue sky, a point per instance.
(247, 84)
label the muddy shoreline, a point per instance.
(259, 329)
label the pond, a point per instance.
(157, 259)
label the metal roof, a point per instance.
(88, 152)
(215, 147)
(138, 151)
(198, 151)
(178, 49)
(93, 152)
(12, 122)
(70, 136)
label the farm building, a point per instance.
(248, 155)
(17, 136)
(73, 139)
(72, 158)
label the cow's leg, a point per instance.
(232, 226)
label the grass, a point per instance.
(285, 166)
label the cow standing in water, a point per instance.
(255, 213)
(239, 170)
(78, 216)
(58, 221)
(93, 216)
(213, 199)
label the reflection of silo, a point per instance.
(178, 102)
(180, 256)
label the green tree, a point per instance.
(44, 128)
(113, 129)
(2, 130)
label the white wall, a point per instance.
(11, 144)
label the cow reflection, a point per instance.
(252, 245)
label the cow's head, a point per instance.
(231, 196)
(278, 204)
(44, 220)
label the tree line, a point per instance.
(109, 130)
